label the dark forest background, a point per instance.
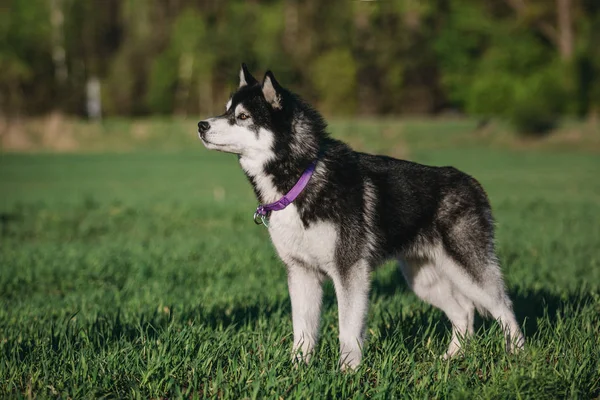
(505, 58)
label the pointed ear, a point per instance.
(246, 77)
(272, 90)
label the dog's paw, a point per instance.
(300, 358)
(452, 352)
(515, 345)
(448, 356)
(345, 367)
(350, 362)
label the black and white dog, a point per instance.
(334, 213)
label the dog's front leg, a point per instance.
(352, 291)
(306, 293)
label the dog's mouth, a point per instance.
(202, 136)
(207, 143)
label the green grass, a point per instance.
(142, 275)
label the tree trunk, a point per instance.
(186, 71)
(57, 20)
(565, 29)
(94, 99)
(290, 34)
(205, 91)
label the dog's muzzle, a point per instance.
(203, 127)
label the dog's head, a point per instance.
(263, 121)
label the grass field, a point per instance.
(141, 275)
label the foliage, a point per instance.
(162, 83)
(378, 57)
(537, 102)
(334, 76)
(533, 103)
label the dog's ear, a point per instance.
(246, 77)
(272, 90)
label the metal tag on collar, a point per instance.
(261, 219)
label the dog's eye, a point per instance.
(243, 116)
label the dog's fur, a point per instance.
(357, 211)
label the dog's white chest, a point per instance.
(314, 246)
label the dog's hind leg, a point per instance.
(489, 296)
(460, 333)
(429, 284)
(501, 309)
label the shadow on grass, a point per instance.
(530, 306)
(73, 334)
(235, 316)
(414, 325)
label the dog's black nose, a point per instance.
(203, 126)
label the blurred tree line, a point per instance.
(509, 58)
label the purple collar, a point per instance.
(261, 216)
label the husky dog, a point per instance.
(355, 211)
